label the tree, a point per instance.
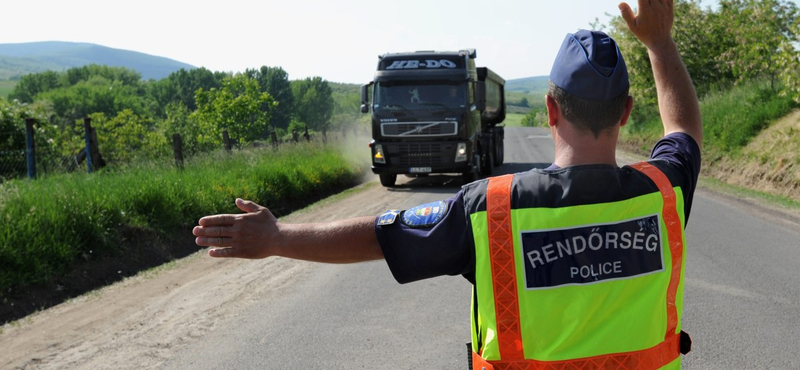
(32, 84)
(313, 102)
(699, 39)
(347, 103)
(181, 86)
(744, 40)
(239, 106)
(127, 137)
(760, 29)
(275, 82)
(180, 121)
(95, 95)
(124, 76)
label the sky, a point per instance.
(339, 41)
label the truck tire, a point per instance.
(487, 163)
(471, 176)
(499, 153)
(388, 180)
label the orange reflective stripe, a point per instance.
(651, 358)
(504, 276)
(674, 235)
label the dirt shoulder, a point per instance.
(142, 320)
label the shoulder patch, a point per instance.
(425, 215)
(388, 217)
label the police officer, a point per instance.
(579, 265)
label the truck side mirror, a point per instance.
(480, 99)
(365, 98)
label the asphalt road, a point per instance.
(742, 296)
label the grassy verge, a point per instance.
(53, 223)
(750, 140)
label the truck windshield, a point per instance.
(414, 95)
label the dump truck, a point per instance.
(434, 112)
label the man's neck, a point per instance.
(585, 149)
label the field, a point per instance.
(514, 119)
(6, 87)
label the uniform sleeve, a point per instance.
(683, 155)
(416, 251)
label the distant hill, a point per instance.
(32, 57)
(528, 84)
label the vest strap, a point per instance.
(504, 275)
(650, 358)
(674, 236)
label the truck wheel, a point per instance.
(388, 180)
(499, 153)
(487, 164)
(469, 177)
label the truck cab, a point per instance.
(427, 112)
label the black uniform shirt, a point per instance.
(446, 247)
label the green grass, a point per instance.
(513, 119)
(731, 118)
(52, 222)
(6, 87)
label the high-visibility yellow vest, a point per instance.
(595, 284)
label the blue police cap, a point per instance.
(590, 66)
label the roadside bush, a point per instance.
(52, 222)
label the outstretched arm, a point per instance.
(258, 234)
(677, 99)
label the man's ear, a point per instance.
(552, 110)
(626, 113)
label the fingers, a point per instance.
(223, 252)
(652, 22)
(213, 236)
(217, 220)
(627, 14)
(247, 206)
(241, 235)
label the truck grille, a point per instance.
(417, 129)
(417, 154)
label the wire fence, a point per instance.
(12, 164)
(31, 156)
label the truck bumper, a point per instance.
(419, 158)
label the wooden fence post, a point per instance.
(30, 148)
(87, 128)
(178, 149)
(226, 140)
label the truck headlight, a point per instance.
(378, 156)
(461, 152)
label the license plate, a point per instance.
(419, 170)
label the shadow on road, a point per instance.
(449, 183)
